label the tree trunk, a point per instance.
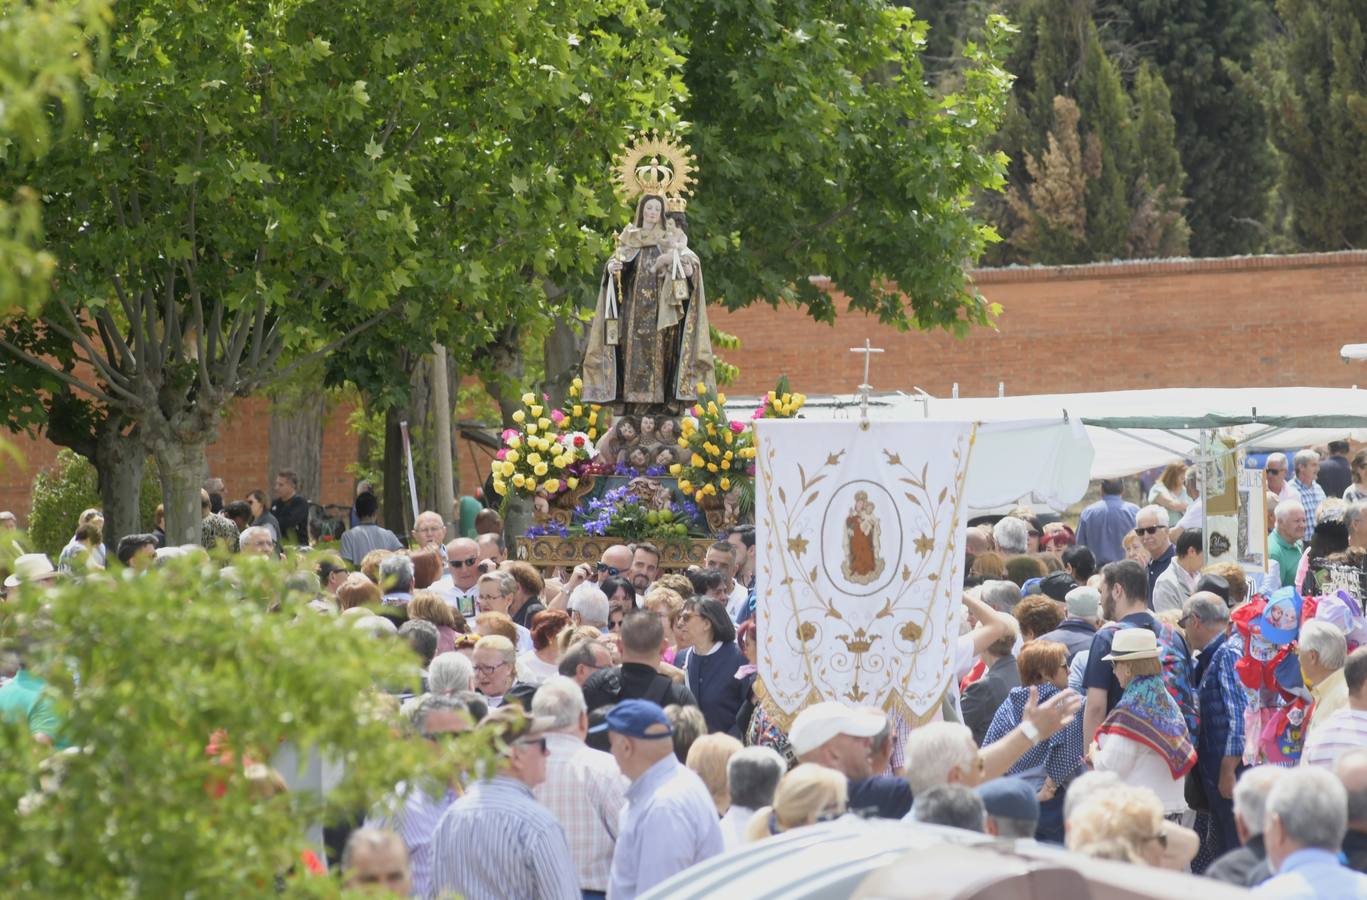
(441, 440)
(395, 488)
(296, 439)
(119, 461)
(419, 416)
(182, 465)
(564, 354)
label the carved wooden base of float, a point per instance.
(550, 550)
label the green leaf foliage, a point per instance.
(68, 487)
(1096, 173)
(823, 151)
(61, 493)
(1314, 87)
(46, 48)
(170, 685)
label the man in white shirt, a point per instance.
(752, 775)
(583, 789)
(721, 557)
(459, 587)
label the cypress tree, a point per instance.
(1204, 51)
(1315, 90)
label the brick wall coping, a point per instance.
(1176, 266)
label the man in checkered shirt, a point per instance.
(584, 788)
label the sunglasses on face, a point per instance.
(1152, 529)
(1275, 471)
(538, 743)
(612, 571)
(464, 563)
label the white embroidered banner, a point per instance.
(859, 564)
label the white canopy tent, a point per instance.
(1132, 431)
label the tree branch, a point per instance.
(75, 382)
(206, 349)
(322, 351)
(97, 362)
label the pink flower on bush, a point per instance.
(557, 416)
(502, 452)
(509, 433)
(737, 428)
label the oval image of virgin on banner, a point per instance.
(861, 533)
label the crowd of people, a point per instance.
(1112, 694)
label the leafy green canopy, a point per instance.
(254, 182)
(1095, 173)
(823, 151)
(150, 671)
(45, 49)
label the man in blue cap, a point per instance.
(1012, 807)
(669, 822)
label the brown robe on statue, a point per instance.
(650, 367)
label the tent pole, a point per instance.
(1144, 440)
(1203, 463)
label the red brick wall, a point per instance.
(1262, 321)
(1259, 321)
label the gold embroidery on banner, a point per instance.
(861, 654)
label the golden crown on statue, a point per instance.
(656, 164)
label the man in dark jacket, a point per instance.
(1077, 630)
(981, 698)
(637, 678)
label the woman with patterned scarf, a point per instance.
(1144, 740)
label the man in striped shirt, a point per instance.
(1346, 729)
(496, 841)
(584, 789)
(413, 812)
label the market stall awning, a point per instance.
(1132, 431)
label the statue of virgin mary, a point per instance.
(649, 344)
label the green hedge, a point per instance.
(69, 487)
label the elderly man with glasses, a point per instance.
(459, 587)
(497, 840)
(616, 560)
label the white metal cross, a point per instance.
(864, 389)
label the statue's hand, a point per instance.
(614, 266)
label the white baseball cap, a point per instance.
(817, 724)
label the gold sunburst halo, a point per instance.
(654, 164)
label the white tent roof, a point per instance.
(1136, 430)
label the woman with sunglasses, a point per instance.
(712, 661)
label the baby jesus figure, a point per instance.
(676, 265)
